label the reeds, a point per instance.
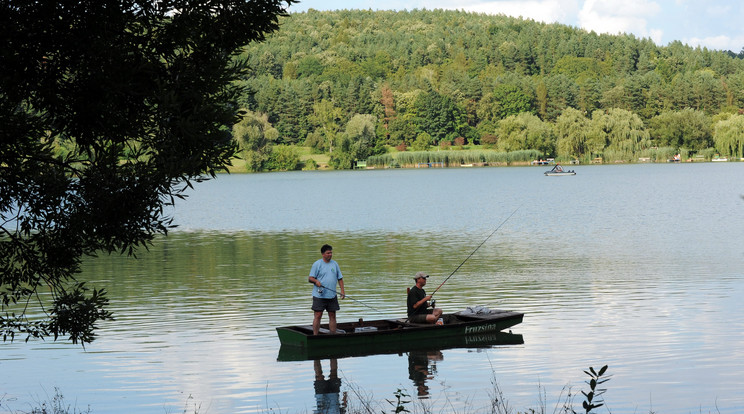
(417, 159)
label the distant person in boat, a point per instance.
(558, 168)
(324, 274)
(418, 302)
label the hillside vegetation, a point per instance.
(353, 84)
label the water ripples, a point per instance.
(608, 268)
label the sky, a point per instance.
(715, 24)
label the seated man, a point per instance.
(418, 305)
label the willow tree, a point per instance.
(356, 143)
(618, 134)
(255, 136)
(525, 132)
(141, 96)
(728, 136)
(571, 128)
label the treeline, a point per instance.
(355, 83)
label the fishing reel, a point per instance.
(433, 303)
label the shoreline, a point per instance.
(241, 169)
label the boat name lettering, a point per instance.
(481, 328)
(483, 338)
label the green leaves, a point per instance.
(110, 110)
(399, 405)
(729, 136)
(75, 314)
(688, 128)
(593, 397)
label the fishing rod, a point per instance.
(349, 297)
(475, 250)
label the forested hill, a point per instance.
(435, 77)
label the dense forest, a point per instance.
(363, 85)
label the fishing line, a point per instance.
(475, 250)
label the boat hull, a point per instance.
(397, 335)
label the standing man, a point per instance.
(418, 302)
(324, 274)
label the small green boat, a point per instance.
(461, 329)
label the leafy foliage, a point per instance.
(401, 399)
(617, 131)
(356, 143)
(525, 131)
(593, 398)
(255, 136)
(109, 111)
(456, 74)
(729, 136)
(687, 128)
(284, 158)
(571, 130)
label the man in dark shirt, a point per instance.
(418, 305)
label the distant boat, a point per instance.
(720, 159)
(558, 170)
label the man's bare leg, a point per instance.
(332, 321)
(316, 321)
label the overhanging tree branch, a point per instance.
(109, 110)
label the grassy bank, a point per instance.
(480, 156)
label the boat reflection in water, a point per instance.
(480, 340)
(328, 391)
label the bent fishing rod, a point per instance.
(475, 250)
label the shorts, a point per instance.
(419, 317)
(330, 305)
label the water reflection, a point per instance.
(478, 341)
(328, 398)
(422, 367)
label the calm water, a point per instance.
(639, 267)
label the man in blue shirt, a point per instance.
(324, 274)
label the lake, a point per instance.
(640, 267)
